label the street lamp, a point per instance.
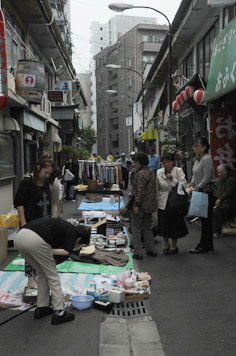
(118, 7)
(117, 66)
(111, 92)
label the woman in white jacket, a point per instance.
(170, 226)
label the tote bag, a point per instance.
(199, 205)
(177, 202)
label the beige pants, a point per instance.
(39, 254)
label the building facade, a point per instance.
(37, 61)
(104, 35)
(115, 113)
(194, 65)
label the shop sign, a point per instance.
(64, 85)
(29, 80)
(222, 74)
(56, 96)
(223, 138)
(219, 3)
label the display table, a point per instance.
(118, 193)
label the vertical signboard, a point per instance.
(223, 138)
(222, 73)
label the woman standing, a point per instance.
(143, 198)
(203, 180)
(170, 226)
(33, 201)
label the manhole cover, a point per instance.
(129, 309)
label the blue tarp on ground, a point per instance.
(103, 205)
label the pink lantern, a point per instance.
(199, 96)
(183, 95)
(189, 90)
(179, 100)
(176, 106)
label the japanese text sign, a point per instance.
(222, 74)
(223, 138)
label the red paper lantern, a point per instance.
(176, 106)
(183, 95)
(199, 96)
(179, 100)
(189, 90)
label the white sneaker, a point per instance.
(73, 200)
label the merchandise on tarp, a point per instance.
(78, 267)
(105, 204)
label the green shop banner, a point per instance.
(222, 74)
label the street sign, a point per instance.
(55, 96)
(128, 121)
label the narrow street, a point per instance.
(192, 303)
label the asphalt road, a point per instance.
(192, 303)
(193, 298)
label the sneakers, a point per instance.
(64, 318)
(42, 312)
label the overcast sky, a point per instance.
(84, 12)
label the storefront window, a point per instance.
(205, 50)
(7, 166)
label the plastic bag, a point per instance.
(199, 205)
(8, 300)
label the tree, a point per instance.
(89, 138)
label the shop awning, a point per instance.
(156, 102)
(196, 81)
(148, 135)
(222, 73)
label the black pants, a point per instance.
(206, 240)
(68, 186)
(125, 177)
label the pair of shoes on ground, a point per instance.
(57, 318)
(199, 250)
(149, 253)
(168, 251)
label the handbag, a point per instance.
(199, 205)
(177, 202)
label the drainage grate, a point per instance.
(129, 309)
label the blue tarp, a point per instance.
(103, 205)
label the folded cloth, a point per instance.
(112, 258)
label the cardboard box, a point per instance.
(3, 243)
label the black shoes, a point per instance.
(166, 251)
(42, 312)
(174, 252)
(152, 253)
(138, 257)
(198, 250)
(64, 318)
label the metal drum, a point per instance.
(30, 80)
